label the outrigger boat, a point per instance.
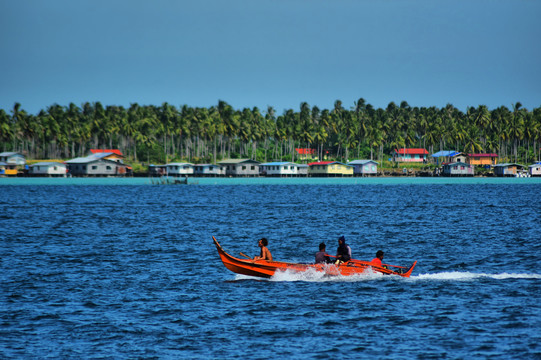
(266, 269)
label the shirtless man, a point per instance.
(265, 253)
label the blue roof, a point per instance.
(361, 162)
(445, 153)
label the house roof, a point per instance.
(445, 153)
(179, 164)
(411, 151)
(362, 162)
(327, 163)
(321, 163)
(10, 153)
(457, 164)
(90, 159)
(102, 155)
(48, 163)
(483, 155)
(509, 164)
(114, 151)
(278, 163)
(238, 161)
(83, 160)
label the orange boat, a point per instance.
(266, 269)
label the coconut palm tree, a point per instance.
(6, 129)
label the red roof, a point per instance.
(483, 155)
(321, 163)
(305, 151)
(404, 151)
(116, 151)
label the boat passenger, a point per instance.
(343, 253)
(377, 260)
(321, 256)
(265, 253)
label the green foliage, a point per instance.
(151, 153)
(167, 133)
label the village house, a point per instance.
(48, 169)
(208, 170)
(458, 169)
(483, 159)
(157, 170)
(278, 169)
(535, 169)
(302, 169)
(410, 155)
(7, 169)
(179, 169)
(444, 156)
(460, 157)
(108, 154)
(508, 169)
(95, 166)
(240, 167)
(13, 158)
(330, 168)
(364, 167)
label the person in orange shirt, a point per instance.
(377, 260)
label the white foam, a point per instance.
(469, 276)
(311, 275)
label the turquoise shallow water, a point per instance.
(274, 181)
(119, 269)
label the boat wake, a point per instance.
(318, 276)
(311, 275)
(469, 276)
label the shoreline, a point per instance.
(209, 181)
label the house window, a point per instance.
(243, 167)
(253, 167)
(108, 167)
(94, 167)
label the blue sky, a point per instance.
(275, 53)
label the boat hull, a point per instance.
(266, 269)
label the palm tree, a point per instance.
(6, 129)
(516, 127)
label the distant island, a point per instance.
(161, 134)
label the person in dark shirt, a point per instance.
(321, 256)
(343, 253)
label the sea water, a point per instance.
(119, 268)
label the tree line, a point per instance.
(198, 134)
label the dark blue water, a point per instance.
(131, 272)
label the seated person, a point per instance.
(265, 253)
(343, 252)
(321, 256)
(377, 260)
